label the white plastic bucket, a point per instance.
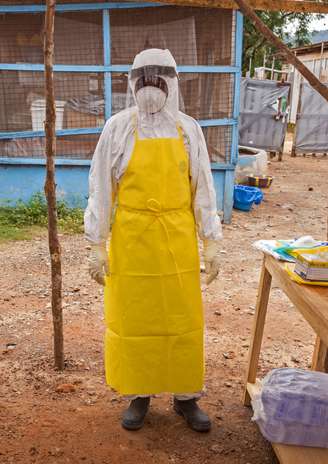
(38, 113)
(251, 162)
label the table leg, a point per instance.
(258, 328)
(320, 356)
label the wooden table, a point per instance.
(312, 303)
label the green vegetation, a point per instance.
(293, 28)
(26, 219)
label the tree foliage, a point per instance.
(257, 48)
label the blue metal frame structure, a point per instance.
(230, 173)
(107, 69)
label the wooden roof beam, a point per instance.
(296, 6)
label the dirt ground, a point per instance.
(40, 425)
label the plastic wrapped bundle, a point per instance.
(292, 407)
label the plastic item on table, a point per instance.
(292, 407)
(245, 197)
(269, 247)
(306, 242)
(283, 249)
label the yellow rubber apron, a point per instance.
(153, 308)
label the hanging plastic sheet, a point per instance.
(263, 113)
(311, 122)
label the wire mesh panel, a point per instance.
(195, 36)
(207, 95)
(21, 38)
(218, 141)
(120, 92)
(33, 147)
(69, 147)
(78, 38)
(16, 95)
(83, 96)
(79, 100)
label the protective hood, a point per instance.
(157, 101)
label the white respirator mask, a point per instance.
(150, 99)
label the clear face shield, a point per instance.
(151, 86)
(153, 70)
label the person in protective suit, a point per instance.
(151, 184)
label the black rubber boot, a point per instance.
(194, 416)
(134, 416)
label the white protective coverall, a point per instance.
(159, 118)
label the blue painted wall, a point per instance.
(21, 181)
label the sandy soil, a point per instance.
(40, 425)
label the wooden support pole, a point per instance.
(288, 54)
(50, 188)
(295, 6)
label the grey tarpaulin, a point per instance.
(311, 122)
(263, 113)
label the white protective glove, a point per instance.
(98, 263)
(212, 262)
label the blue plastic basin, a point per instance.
(245, 196)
